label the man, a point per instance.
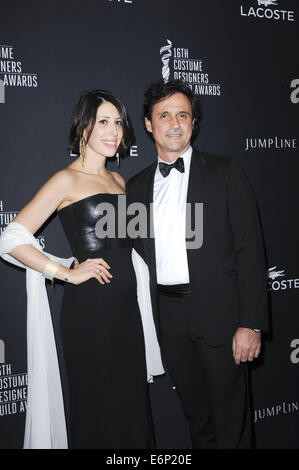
(209, 302)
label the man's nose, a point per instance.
(175, 122)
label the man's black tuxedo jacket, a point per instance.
(228, 272)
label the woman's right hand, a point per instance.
(95, 267)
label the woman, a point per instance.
(101, 327)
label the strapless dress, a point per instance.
(102, 337)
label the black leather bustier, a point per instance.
(96, 223)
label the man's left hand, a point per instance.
(246, 345)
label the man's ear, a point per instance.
(148, 125)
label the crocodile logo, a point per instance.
(274, 274)
(266, 3)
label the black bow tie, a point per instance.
(165, 168)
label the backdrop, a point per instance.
(241, 57)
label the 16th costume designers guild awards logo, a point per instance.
(11, 72)
(13, 391)
(177, 63)
(6, 217)
(265, 10)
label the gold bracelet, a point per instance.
(51, 269)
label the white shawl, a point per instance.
(45, 426)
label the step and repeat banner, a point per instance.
(241, 58)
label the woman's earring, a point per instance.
(117, 157)
(82, 151)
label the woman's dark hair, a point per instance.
(84, 116)
(159, 90)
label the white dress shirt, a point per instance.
(169, 216)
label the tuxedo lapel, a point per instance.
(149, 242)
(195, 194)
(148, 184)
(196, 177)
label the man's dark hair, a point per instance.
(159, 90)
(84, 116)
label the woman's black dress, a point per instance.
(102, 336)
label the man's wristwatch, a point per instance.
(257, 331)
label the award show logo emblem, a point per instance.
(11, 72)
(178, 64)
(13, 391)
(166, 53)
(5, 217)
(8, 216)
(275, 284)
(262, 11)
